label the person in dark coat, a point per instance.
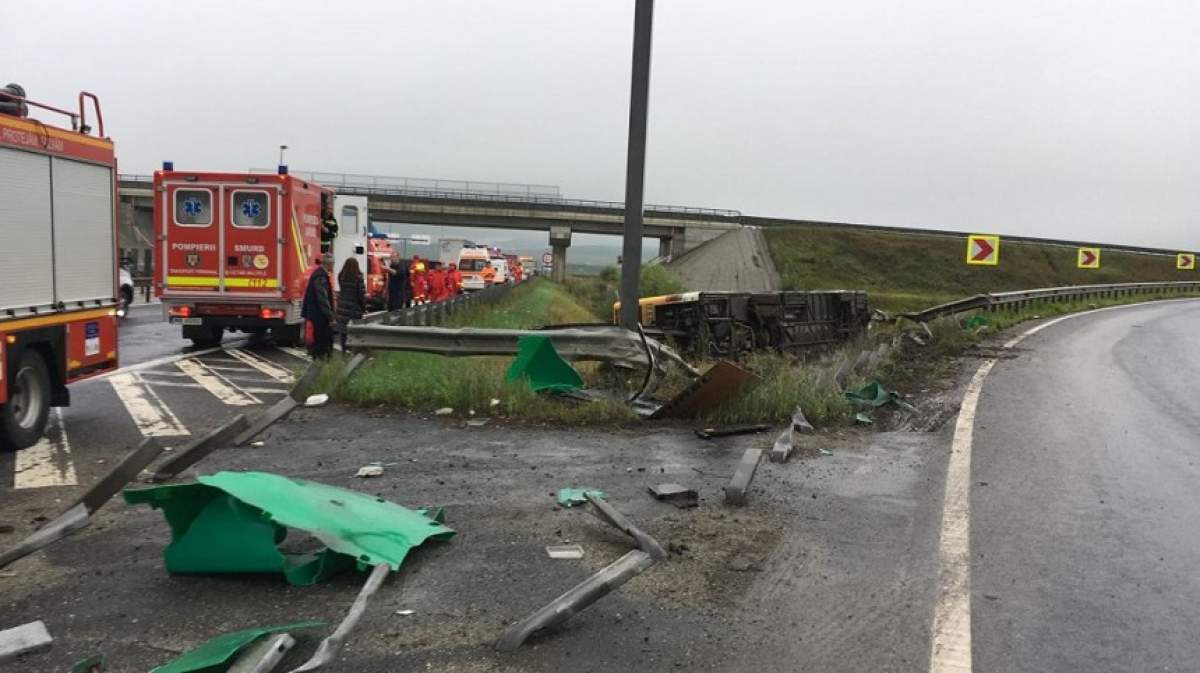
(318, 309)
(399, 288)
(352, 296)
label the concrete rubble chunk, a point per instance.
(676, 494)
(735, 490)
(24, 639)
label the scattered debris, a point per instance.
(316, 400)
(735, 490)
(570, 497)
(232, 522)
(406, 613)
(825, 452)
(875, 395)
(567, 551)
(495, 402)
(444, 411)
(264, 655)
(222, 649)
(863, 418)
(680, 496)
(593, 588)
(722, 382)
(541, 365)
(24, 639)
(7, 528)
(258, 444)
(975, 322)
(478, 422)
(329, 648)
(79, 514)
(729, 430)
(787, 441)
(298, 393)
(369, 471)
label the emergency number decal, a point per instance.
(261, 261)
(91, 339)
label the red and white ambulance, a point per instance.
(234, 250)
(58, 256)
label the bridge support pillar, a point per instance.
(560, 240)
(666, 247)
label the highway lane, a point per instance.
(1085, 493)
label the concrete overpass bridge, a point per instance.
(478, 204)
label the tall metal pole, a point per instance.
(635, 167)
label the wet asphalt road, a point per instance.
(1083, 543)
(1086, 497)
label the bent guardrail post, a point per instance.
(592, 589)
(329, 648)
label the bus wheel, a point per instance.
(23, 417)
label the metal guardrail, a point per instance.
(436, 313)
(1023, 298)
(535, 199)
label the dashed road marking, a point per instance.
(253, 390)
(221, 387)
(295, 352)
(47, 463)
(263, 365)
(152, 417)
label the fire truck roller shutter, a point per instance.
(26, 256)
(84, 251)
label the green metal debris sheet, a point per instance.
(221, 650)
(540, 363)
(234, 522)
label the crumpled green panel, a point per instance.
(233, 522)
(569, 497)
(221, 650)
(875, 395)
(543, 366)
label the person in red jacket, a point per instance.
(454, 280)
(437, 282)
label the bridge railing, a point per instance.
(1024, 298)
(337, 180)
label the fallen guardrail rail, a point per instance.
(602, 343)
(1023, 298)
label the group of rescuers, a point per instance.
(409, 283)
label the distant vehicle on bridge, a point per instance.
(237, 248)
(58, 250)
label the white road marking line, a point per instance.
(197, 386)
(295, 352)
(263, 365)
(950, 648)
(221, 387)
(157, 362)
(152, 417)
(47, 463)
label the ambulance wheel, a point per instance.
(203, 336)
(288, 335)
(23, 417)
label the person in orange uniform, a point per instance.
(437, 282)
(417, 275)
(489, 274)
(454, 280)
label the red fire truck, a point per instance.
(234, 250)
(58, 252)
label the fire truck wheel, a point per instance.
(23, 417)
(203, 336)
(289, 335)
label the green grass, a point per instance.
(906, 272)
(598, 293)
(424, 383)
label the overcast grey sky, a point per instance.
(1038, 117)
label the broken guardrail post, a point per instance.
(195, 451)
(78, 515)
(592, 589)
(329, 648)
(735, 490)
(264, 655)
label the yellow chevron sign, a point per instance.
(1185, 261)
